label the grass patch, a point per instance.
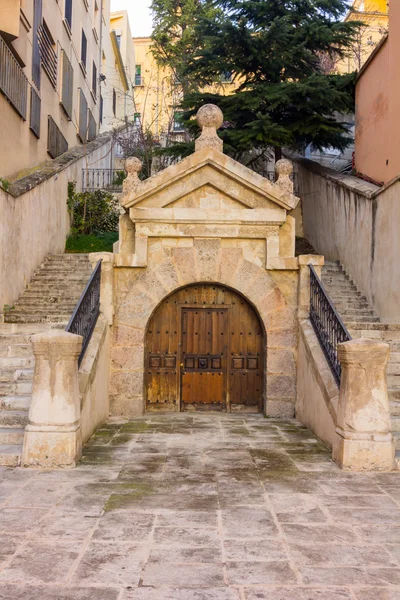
(100, 242)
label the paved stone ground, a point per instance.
(200, 507)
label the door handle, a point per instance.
(181, 364)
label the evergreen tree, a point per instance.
(272, 49)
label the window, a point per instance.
(48, 53)
(67, 84)
(138, 75)
(91, 127)
(34, 122)
(83, 117)
(94, 79)
(37, 19)
(114, 103)
(101, 109)
(118, 40)
(83, 50)
(56, 142)
(68, 12)
(226, 77)
(177, 122)
(136, 119)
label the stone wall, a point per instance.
(34, 218)
(317, 391)
(176, 263)
(355, 222)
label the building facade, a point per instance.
(118, 71)
(50, 57)
(377, 148)
(374, 15)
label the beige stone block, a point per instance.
(207, 257)
(127, 357)
(167, 273)
(281, 386)
(52, 446)
(282, 264)
(281, 339)
(365, 455)
(244, 278)
(287, 283)
(230, 260)
(287, 238)
(281, 362)
(272, 301)
(124, 335)
(135, 308)
(280, 408)
(185, 265)
(177, 242)
(126, 407)
(281, 319)
(126, 384)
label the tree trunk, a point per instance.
(278, 153)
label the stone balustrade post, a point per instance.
(365, 441)
(304, 281)
(53, 435)
(106, 282)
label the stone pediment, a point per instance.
(210, 179)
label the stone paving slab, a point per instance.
(200, 507)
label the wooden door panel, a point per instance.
(212, 323)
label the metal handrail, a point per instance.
(87, 310)
(328, 326)
(102, 179)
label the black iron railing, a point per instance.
(102, 179)
(85, 315)
(327, 323)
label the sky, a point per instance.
(139, 15)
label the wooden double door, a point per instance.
(204, 351)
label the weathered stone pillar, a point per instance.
(106, 282)
(126, 235)
(363, 422)
(304, 281)
(53, 436)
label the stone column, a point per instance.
(363, 422)
(53, 436)
(304, 281)
(106, 282)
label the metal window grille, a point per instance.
(91, 127)
(34, 122)
(68, 12)
(56, 142)
(94, 79)
(48, 55)
(37, 19)
(83, 49)
(114, 102)
(83, 117)
(67, 84)
(13, 82)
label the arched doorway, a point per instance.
(204, 351)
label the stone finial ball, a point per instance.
(210, 115)
(284, 167)
(133, 165)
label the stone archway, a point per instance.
(173, 264)
(204, 350)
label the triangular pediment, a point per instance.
(209, 179)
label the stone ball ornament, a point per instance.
(210, 115)
(133, 164)
(284, 167)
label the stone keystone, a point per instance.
(53, 436)
(363, 422)
(210, 118)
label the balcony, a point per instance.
(109, 180)
(13, 83)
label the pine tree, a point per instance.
(273, 49)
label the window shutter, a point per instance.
(83, 49)
(83, 117)
(94, 79)
(67, 84)
(37, 20)
(68, 12)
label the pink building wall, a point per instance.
(378, 108)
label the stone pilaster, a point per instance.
(53, 436)
(304, 281)
(106, 282)
(363, 422)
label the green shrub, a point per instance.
(92, 212)
(101, 242)
(119, 177)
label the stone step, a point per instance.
(10, 455)
(11, 435)
(24, 318)
(354, 303)
(360, 319)
(25, 328)
(51, 277)
(16, 418)
(15, 350)
(51, 287)
(18, 362)
(11, 375)
(45, 307)
(395, 420)
(15, 403)
(8, 338)
(69, 256)
(396, 436)
(56, 295)
(394, 405)
(14, 388)
(394, 356)
(393, 368)
(393, 380)
(394, 394)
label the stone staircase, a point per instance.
(47, 303)
(363, 322)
